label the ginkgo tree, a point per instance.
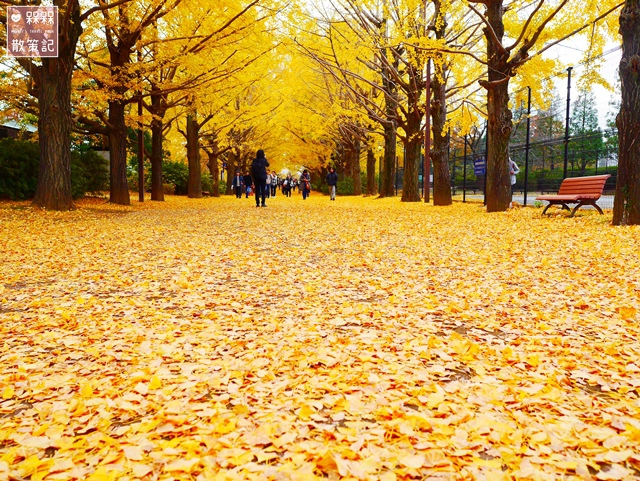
(194, 32)
(393, 34)
(513, 36)
(52, 85)
(117, 76)
(307, 117)
(626, 208)
(376, 68)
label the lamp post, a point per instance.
(567, 120)
(426, 171)
(140, 139)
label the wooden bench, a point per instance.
(577, 190)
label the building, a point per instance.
(13, 129)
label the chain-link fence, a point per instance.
(534, 177)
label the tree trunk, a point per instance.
(213, 170)
(626, 206)
(345, 154)
(355, 168)
(158, 109)
(500, 125)
(194, 187)
(389, 161)
(53, 190)
(53, 79)
(410, 187)
(118, 190)
(440, 146)
(232, 166)
(439, 160)
(371, 172)
(498, 177)
(157, 191)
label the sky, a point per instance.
(570, 52)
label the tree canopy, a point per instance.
(310, 84)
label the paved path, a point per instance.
(364, 338)
(605, 202)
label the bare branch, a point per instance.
(488, 28)
(526, 25)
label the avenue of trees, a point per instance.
(342, 83)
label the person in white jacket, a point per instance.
(513, 171)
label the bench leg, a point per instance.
(586, 203)
(575, 209)
(565, 207)
(546, 208)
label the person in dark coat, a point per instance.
(248, 181)
(237, 184)
(259, 174)
(286, 186)
(305, 184)
(332, 181)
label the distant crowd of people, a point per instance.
(263, 183)
(245, 184)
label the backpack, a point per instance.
(258, 170)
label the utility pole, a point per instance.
(527, 147)
(464, 172)
(426, 171)
(566, 126)
(140, 139)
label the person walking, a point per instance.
(332, 182)
(274, 183)
(267, 188)
(259, 174)
(513, 171)
(305, 184)
(237, 184)
(291, 185)
(247, 181)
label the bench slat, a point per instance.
(567, 198)
(589, 177)
(585, 183)
(580, 192)
(576, 190)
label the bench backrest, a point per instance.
(591, 186)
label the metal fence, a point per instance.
(535, 177)
(562, 138)
(542, 169)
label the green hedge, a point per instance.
(344, 187)
(19, 161)
(89, 173)
(176, 173)
(175, 178)
(18, 168)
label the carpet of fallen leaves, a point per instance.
(358, 339)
